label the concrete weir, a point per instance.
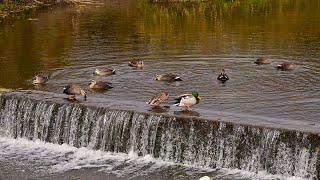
(104, 125)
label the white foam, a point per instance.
(59, 158)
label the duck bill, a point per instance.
(199, 97)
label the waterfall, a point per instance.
(184, 140)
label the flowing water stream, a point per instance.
(262, 123)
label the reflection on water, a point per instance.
(159, 109)
(193, 40)
(186, 113)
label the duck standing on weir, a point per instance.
(188, 100)
(158, 98)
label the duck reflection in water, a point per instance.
(186, 112)
(159, 109)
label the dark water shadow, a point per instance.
(72, 100)
(39, 86)
(186, 113)
(159, 109)
(94, 91)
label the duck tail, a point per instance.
(177, 79)
(113, 71)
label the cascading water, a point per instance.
(183, 140)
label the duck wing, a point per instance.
(158, 98)
(182, 97)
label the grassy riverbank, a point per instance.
(9, 7)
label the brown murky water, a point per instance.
(193, 41)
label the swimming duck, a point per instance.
(105, 71)
(188, 100)
(168, 77)
(72, 90)
(136, 64)
(262, 60)
(40, 79)
(158, 98)
(286, 66)
(99, 85)
(222, 76)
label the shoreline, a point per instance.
(9, 9)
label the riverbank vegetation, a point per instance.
(8, 7)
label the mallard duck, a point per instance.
(158, 98)
(188, 100)
(40, 79)
(168, 77)
(105, 71)
(136, 64)
(99, 85)
(286, 66)
(222, 76)
(72, 90)
(262, 60)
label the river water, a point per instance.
(194, 41)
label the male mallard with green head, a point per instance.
(158, 98)
(188, 100)
(168, 77)
(72, 90)
(105, 71)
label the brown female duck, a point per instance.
(168, 77)
(104, 71)
(40, 79)
(136, 64)
(286, 66)
(99, 85)
(262, 61)
(72, 90)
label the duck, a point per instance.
(40, 79)
(158, 98)
(99, 85)
(168, 77)
(136, 64)
(262, 60)
(222, 76)
(104, 71)
(188, 100)
(286, 66)
(72, 90)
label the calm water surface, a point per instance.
(193, 41)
